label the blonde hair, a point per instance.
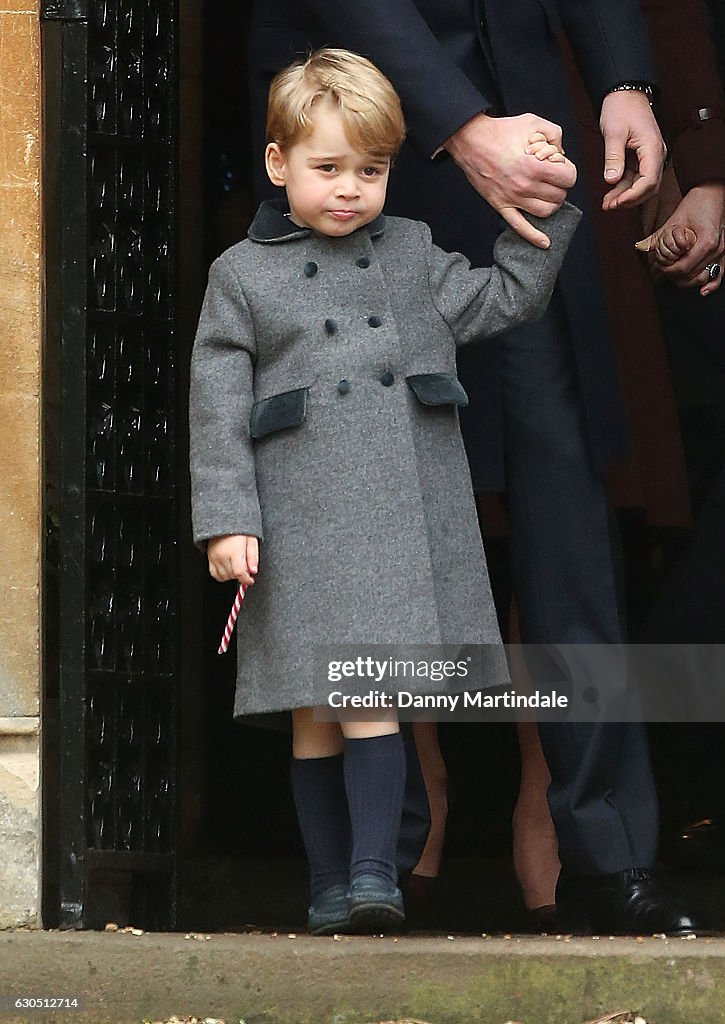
(369, 104)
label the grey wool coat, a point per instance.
(323, 420)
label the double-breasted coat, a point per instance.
(323, 419)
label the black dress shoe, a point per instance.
(629, 902)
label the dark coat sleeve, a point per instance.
(608, 38)
(689, 81)
(223, 483)
(437, 97)
(609, 42)
(484, 302)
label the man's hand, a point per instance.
(692, 238)
(634, 153)
(233, 557)
(491, 151)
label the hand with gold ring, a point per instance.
(688, 247)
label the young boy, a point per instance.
(323, 410)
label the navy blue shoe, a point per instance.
(375, 906)
(330, 913)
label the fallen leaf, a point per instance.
(618, 1017)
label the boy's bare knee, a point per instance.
(314, 739)
(355, 730)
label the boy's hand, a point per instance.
(542, 149)
(669, 244)
(234, 557)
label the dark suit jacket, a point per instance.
(450, 59)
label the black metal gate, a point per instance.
(111, 128)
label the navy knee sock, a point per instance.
(375, 781)
(318, 787)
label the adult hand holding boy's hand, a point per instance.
(233, 557)
(491, 152)
(691, 239)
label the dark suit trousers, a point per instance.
(602, 794)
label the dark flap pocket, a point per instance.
(438, 389)
(278, 412)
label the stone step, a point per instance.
(278, 978)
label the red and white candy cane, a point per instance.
(231, 621)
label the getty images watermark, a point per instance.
(537, 682)
(424, 672)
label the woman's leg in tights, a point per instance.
(435, 777)
(536, 850)
(535, 846)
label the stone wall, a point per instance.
(20, 492)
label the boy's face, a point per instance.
(332, 187)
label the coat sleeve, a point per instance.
(689, 82)
(481, 303)
(609, 42)
(224, 496)
(437, 96)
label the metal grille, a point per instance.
(118, 534)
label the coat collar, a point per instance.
(272, 224)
